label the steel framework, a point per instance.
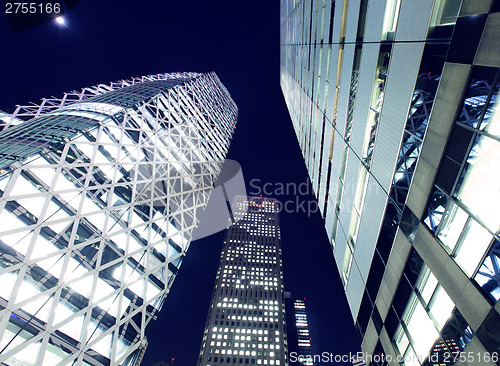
(46, 105)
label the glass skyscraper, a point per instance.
(395, 107)
(245, 324)
(100, 193)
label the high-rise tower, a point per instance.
(395, 107)
(245, 324)
(100, 193)
(298, 334)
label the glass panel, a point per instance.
(74, 327)
(122, 346)
(152, 290)
(390, 19)
(42, 248)
(83, 286)
(18, 241)
(103, 346)
(421, 329)
(28, 289)
(445, 12)
(411, 359)
(33, 205)
(359, 198)
(10, 221)
(27, 357)
(426, 284)
(401, 340)
(23, 187)
(491, 119)
(488, 275)
(452, 225)
(476, 95)
(53, 355)
(376, 103)
(479, 189)
(441, 307)
(346, 267)
(63, 184)
(39, 307)
(474, 243)
(458, 330)
(435, 209)
(53, 265)
(4, 180)
(8, 280)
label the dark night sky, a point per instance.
(109, 40)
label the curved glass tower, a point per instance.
(100, 192)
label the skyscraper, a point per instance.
(100, 193)
(395, 107)
(245, 324)
(298, 335)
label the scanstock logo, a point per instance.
(217, 215)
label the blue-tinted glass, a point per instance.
(476, 95)
(488, 275)
(435, 209)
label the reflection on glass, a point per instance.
(346, 267)
(491, 119)
(435, 209)
(476, 97)
(475, 241)
(441, 307)
(488, 275)
(452, 225)
(411, 358)
(427, 311)
(480, 186)
(376, 103)
(359, 199)
(444, 13)
(390, 19)
(420, 327)
(426, 283)
(401, 340)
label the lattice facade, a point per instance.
(24, 112)
(99, 198)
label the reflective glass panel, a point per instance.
(452, 225)
(479, 188)
(475, 241)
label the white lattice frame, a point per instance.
(218, 123)
(50, 104)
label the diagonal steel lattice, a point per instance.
(46, 105)
(100, 193)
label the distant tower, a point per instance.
(298, 334)
(164, 363)
(100, 191)
(245, 324)
(444, 353)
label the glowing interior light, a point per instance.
(60, 20)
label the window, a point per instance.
(462, 209)
(488, 276)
